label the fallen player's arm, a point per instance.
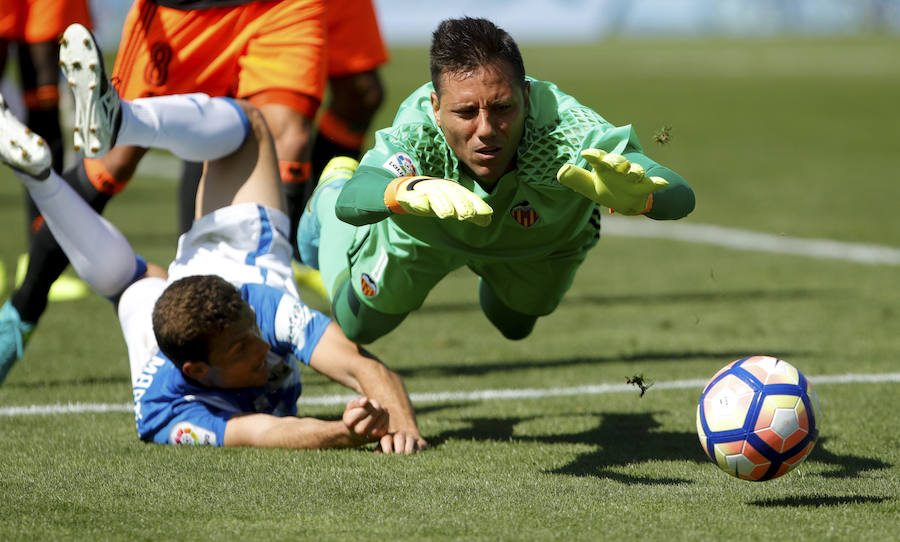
(345, 362)
(364, 420)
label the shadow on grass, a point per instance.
(620, 440)
(485, 368)
(651, 299)
(848, 465)
(818, 501)
(623, 439)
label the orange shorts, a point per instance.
(37, 21)
(354, 41)
(235, 51)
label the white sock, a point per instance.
(193, 127)
(98, 251)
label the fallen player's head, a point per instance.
(205, 327)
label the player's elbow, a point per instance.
(516, 331)
(672, 204)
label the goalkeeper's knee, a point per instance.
(512, 324)
(359, 322)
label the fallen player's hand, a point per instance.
(401, 443)
(430, 196)
(366, 418)
(615, 182)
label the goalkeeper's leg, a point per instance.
(512, 324)
(324, 239)
(361, 324)
(514, 295)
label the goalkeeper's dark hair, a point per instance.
(465, 44)
(190, 312)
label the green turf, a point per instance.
(794, 137)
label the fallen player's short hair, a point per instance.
(190, 312)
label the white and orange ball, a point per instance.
(758, 418)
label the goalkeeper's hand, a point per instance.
(615, 182)
(431, 196)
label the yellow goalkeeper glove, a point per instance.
(431, 196)
(615, 182)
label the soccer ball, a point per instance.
(758, 418)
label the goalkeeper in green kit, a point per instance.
(485, 168)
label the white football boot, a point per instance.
(20, 148)
(97, 108)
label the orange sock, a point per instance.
(340, 131)
(102, 179)
(36, 224)
(294, 172)
(45, 97)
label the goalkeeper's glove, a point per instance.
(431, 196)
(615, 182)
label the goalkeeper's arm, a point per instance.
(671, 203)
(373, 194)
(629, 184)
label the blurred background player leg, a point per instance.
(35, 26)
(354, 51)
(281, 70)
(271, 53)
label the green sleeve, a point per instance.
(674, 202)
(361, 200)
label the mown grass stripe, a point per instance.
(449, 396)
(739, 239)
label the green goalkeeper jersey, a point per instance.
(534, 215)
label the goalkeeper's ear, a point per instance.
(436, 107)
(526, 92)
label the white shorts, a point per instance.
(245, 243)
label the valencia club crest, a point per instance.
(524, 214)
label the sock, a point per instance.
(297, 190)
(335, 137)
(97, 250)
(43, 118)
(46, 260)
(33, 218)
(335, 236)
(193, 127)
(46, 123)
(187, 194)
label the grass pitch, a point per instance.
(794, 138)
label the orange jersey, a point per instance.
(354, 40)
(233, 51)
(37, 21)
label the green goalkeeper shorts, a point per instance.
(393, 272)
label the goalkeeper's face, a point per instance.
(482, 114)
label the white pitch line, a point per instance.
(451, 396)
(739, 239)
